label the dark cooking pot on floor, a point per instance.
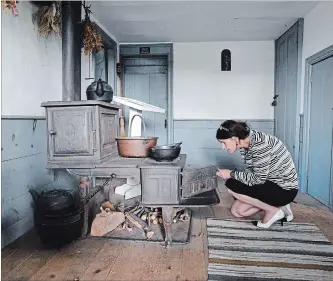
(57, 230)
(165, 152)
(58, 218)
(53, 202)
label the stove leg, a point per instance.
(167, 214)
(85, 226)
(83, 192)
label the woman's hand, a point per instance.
(224, 174)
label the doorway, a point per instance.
(318, 116)
(146, 76)
(146, 79)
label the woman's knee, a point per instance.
(235, 210)
(235, 213)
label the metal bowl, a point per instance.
(164, 152)
(135, 147)
(169, 146)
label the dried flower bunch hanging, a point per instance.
(10, 5)
(48, 19)
(91, 39)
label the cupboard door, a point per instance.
(160, 186)
(71, 132)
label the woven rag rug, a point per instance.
(238, 250)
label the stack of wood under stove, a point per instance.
(139, 217)
(154, 215)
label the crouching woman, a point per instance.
(269, 181)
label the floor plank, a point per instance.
(7, 252)
(102, 259)
(31, 265)
(71, 261)
(101, 267)
(13, 261)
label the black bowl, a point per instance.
(164, 153)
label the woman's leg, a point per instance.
(270, 211)
(241, 209)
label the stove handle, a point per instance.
(94, 140)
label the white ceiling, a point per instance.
(197, 21)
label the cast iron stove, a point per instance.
(82, 139)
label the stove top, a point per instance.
(123, 162)
(178, 163)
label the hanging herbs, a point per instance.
(48, 19)
(91, 39)
(10, 5)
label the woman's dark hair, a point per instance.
(231, 128)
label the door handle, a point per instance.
(273, 103)
(165, 123)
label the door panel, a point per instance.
(71, 132)
(286, 88)
(320, 131)
(145, 80)
(280, 108)
(291, 96)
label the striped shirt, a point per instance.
(267, 158)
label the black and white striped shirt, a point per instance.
(267, 158)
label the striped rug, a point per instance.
(238, 250)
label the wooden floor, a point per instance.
(93, 259)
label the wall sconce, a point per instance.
(226, 60)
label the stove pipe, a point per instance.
(71, 50)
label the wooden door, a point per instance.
(285, 112)
(320, 116)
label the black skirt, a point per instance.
(268, 192)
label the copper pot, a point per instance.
(135, 147)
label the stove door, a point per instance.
(71, 132)
(197, 181)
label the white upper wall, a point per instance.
(318, 29)
(87, 71)
(32, 70)
(203, 91)
(318, 35)
(31, 66)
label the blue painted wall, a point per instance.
(201, 146)
(23, 162)
(23, 151)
